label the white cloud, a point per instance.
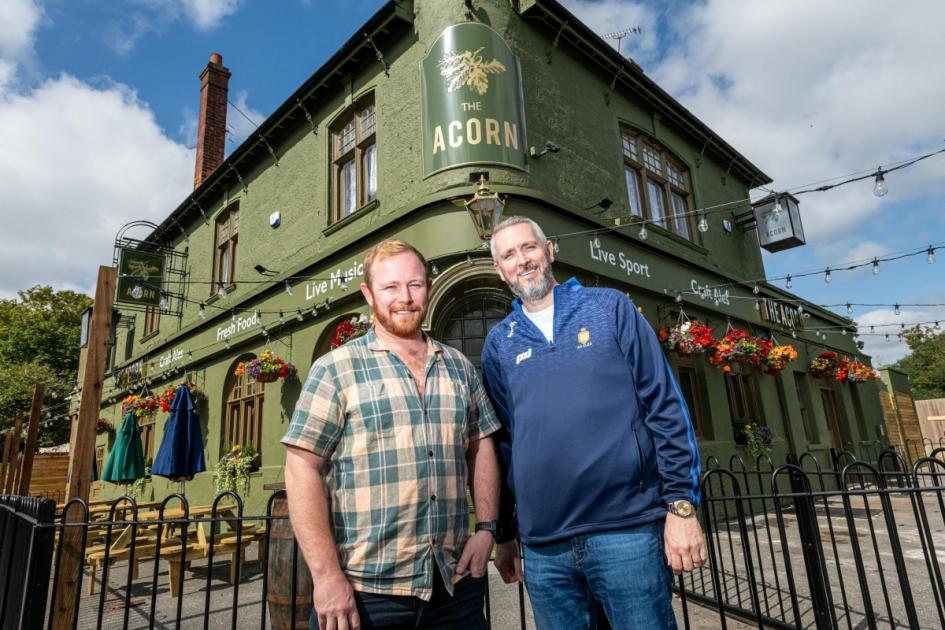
(18, 22)
(72, 175)
(611, 16)
(207, 14)
(156, 15)
(807, 90)
(887, 351)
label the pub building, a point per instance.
(431, 121)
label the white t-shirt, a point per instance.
(545, 320)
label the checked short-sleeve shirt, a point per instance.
(396, 465)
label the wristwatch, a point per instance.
(488, 526)
(681, 508)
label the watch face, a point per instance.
(683, 508)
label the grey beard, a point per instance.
(536, 291)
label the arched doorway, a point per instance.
(472, 300)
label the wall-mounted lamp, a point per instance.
(550, 147)
(485, 208)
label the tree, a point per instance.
(39, 343)
(925, 365)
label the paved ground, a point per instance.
(504, 602)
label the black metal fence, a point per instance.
(804, 544)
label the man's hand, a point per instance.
(476, 554)
(333, 599)
(508, 562)
(684, 543)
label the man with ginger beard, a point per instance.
(378, 450)
(601, 458)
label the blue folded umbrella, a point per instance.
(180, 455)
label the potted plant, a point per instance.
(232, 471)
(687, 338)
(265, 368)
(756, 438)
(778, 358)
(350, 329)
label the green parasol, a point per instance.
(126, 461)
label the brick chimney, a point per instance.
(211, 129)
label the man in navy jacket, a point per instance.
(601, 462)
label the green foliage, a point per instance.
(39, 343)
(232, 472)
(925, 366)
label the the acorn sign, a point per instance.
(473, 111)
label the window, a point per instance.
(742, 399)
(800, 388)
(224, 258)
(354, 160)
(668, 200)
(152, 320)
(689, 385)
(244, 407)
(146, 426)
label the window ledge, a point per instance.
(216, 296)
(150, 336)
(351, 218)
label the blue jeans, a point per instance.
(625, 570)
(463, 611)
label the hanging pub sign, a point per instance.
(472, 106)
(779, 222)
(140, 277)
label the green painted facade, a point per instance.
(577, 93)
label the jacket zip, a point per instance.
(636, 440)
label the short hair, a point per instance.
(387, 249)
(516, 220)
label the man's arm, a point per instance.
(484, 486)
(667, 419)
(308, 512)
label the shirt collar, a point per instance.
(568, 286)
(374, 343)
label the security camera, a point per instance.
(550, 147)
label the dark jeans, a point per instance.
(462, 611)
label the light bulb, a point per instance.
(930, 257)
(221, 293)
(226, 344)
(233, 316)
(757, 305)
(299, 316)
(596, 241)
(256, 314)
(887, 337)
(703, 224)
(434, 270)
(800, 308)
(643, 233)
(557, 246)
(756, 290)
(137, 292)
(849, 309)
(202, 311)
(880, 189)
(827, 276)
(872, 329)
(288, 289)
(843, 331)
(788, 284)
(468, 259)
(897, 310)
(163, 302)
(315, 311)
(344, 284)
(281, 318)
(875, 266)
(190, 356)
(678, 298)
(777, 210)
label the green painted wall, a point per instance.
(564, 102)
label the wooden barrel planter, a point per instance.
(279, 587)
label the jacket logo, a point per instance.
(584, 337)
(511, 329)
(525, 355)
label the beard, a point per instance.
(400, 325)
(536, 288)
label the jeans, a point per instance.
(462, 611)
(625, 570)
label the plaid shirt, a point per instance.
(397, 467)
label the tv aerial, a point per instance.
(619, 35)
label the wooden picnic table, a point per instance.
(178, 557)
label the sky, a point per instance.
(98, 103)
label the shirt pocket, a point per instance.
(371, 410)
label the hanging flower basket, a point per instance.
(857, 372)
(778, 358)
(265, 368)
(687, 338)
(103, 426)
(756, 438)
(140, 405)
(232, 471)
(350, 329)
(165, 398)
(737, 346)
(826, 365)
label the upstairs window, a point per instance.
(152, 320)
(354, 160)
(658, 185)
(224, 257)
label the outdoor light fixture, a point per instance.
(788, 284)
(550, 147)
(137, 292)
(288, 289)
(485, 208)
(827, 276)
(897, 310)
(875, 267)
(930, 256)
(880, 188)
(263, 271)
(202, 311)
(703, 224)
(643, 233)
(163, 303)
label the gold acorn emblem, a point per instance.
(584, 336)
(469, 69)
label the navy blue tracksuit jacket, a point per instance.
(597, 435)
